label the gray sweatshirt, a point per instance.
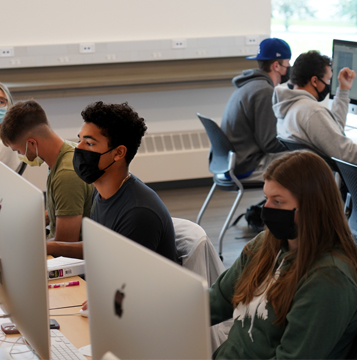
(303, 119)
(249, 121)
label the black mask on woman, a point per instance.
(322, 94)
(85, 164)
(280, 222)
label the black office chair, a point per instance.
(349, 175)
(293, 145)
(21, 168)
(222, 162)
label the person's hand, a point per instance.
(85, 305)
(345, 78)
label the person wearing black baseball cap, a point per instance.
(248, 119)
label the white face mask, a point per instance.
(37, 161)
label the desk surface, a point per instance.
(75, 327)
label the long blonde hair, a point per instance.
(322, 228)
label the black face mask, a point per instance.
(286, 77)
(280, 222)
(85, 164)
(322, 94)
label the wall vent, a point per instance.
(174, 142)
(172, 156)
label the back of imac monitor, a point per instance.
(23, 267)
(344, 54)
(142, 305)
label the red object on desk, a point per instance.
(71, 283)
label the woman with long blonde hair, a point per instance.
(293, 290)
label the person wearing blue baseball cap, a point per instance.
(271, 49)
(248, 119)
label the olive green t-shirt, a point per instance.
(66, 193)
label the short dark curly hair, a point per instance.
(307, 65)
(119, 123)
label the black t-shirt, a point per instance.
(136, 212)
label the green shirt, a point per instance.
(66, 193)
(321, 322)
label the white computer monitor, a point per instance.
(23, 267)
(142, 305)
(344, 54)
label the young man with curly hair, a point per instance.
(108, 141)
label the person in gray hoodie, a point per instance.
(301, 116)
(248, 119)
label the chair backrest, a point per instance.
(293, 145)
(196, 250)
(349, 175)
(21, 168)
(220, 146)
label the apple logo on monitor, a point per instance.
(118, 301)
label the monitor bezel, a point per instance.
(343, 43)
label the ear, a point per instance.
(32, 142)
(275, 65)
(120, 152)
(314, 81)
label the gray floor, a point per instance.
(186, 203)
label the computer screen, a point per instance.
(23, 267)
(344, 54)
(142, 305)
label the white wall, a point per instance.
(163, 111)
(39, 22)
(42, 22)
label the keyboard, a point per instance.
(62, 348)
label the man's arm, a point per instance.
(265, 122)
(68, 249)
(47, 219)
(340, 103)
(68, 228)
